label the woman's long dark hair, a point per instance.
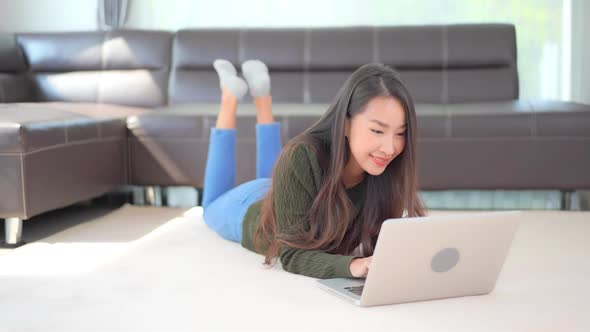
(386, 196)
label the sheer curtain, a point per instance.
(112, 14)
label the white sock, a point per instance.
(229, 79)
(256, 74)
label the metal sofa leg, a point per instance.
(13, 231)
(153, 196)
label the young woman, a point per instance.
(318, 203)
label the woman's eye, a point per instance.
(377, 131)
(401, 134)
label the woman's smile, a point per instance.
(381, 162)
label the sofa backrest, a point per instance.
(440, 64)
(121, 67)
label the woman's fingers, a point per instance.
(362, 265)
(368, 262)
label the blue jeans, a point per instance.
(224, 204)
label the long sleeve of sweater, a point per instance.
(296, 184)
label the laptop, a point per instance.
(432, 257)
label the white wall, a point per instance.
(48, 15)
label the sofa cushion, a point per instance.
(28, 127)
(124, 67)
(522, 118)
(460, 141)
(170, 145)
(38, 128)
(511, 145)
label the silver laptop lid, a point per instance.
(441, 256)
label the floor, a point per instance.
(53, 222)
(99, 268)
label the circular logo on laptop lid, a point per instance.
(445, 260)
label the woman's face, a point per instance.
(376, 136)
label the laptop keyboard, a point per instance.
(358, 290)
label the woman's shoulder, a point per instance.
(302, 151)
(302, 160)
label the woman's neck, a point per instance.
(353, 174)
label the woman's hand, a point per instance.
(359, 267)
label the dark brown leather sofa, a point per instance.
(83, 113)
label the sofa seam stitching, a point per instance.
(444, 76)
(93, 140)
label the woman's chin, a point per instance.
(375, 171)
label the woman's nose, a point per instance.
(388, 148)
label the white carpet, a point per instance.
(162, 269)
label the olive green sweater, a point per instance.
(296, 183)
